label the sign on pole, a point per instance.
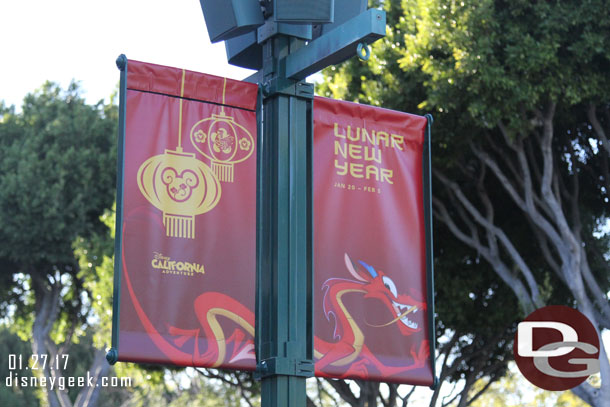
(372, 247)
(186, 223)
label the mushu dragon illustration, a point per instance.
(348, 351)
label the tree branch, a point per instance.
(325, 391)
(599, 130)
(597, 294)
(47, 304)
(527, 206)
(586, 393)
(493, 377)
(344, 391)
(533, 298)
(89, 396)
(407, 396)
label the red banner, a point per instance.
(185, 280)
(187, 219)
(371, 314)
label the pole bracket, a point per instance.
(337, 45)
(289, 87)
(284, 366)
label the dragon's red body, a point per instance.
(349, 348)
(348, 351)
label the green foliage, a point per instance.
(57, 173)
(499, 59)
(492, 59)
(96, 264)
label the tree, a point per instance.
(57, 175)
(521, 98)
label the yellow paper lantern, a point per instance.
(182, 187)
(223, 141)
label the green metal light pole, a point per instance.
(284, 265)
(284, 240)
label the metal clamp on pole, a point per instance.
(284, 366)
(288, 87)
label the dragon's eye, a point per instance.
(389, 284)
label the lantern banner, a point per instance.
(372, 226)
(186, 219)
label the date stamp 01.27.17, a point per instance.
(37, 362)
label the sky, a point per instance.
(65, 40)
